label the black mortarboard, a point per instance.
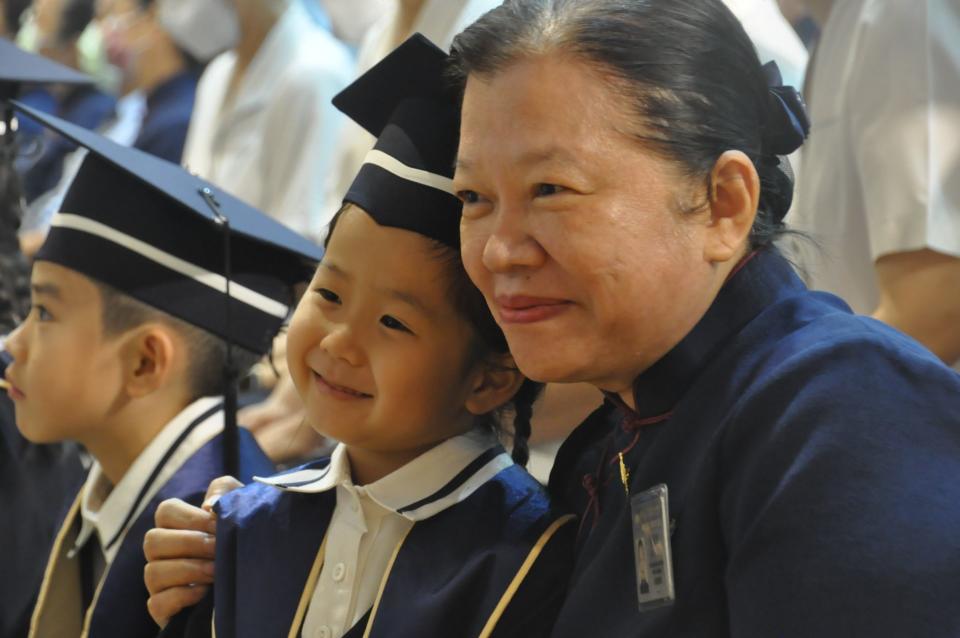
(157, 233)
(20, 67)
(406, 180)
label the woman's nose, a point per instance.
(511, 245)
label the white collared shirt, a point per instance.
(273, 143)
(110, 510)
(369, 521)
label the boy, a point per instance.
(134, 293)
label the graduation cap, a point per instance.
(171, 240)
(406, 180)
(18, 67)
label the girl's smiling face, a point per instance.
(379, 354)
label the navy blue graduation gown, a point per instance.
(451, 575)
(812, 459)
(120, 607)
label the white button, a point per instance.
(339, 571)
(323, 632)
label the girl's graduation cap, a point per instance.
(406, 180)
(165, 237)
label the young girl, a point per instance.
(419, 524)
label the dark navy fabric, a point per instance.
(446, 581)
(121, 608)
(85, 106)
(812, 458)
(37, 486)
(169, 106)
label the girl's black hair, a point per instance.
(687, 68)
(470, 303)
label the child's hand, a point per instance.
(179, 551)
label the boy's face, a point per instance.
(65, 374)
(376, 349)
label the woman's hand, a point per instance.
(180, 552)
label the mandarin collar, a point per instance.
(759, 280)
(437, 479)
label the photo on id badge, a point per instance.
(651, 539)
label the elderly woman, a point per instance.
(766, 463)
(622, 193)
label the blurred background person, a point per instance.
(158, 49)
(59, 25)
(263, 126)
(880, 190)
(36, 481)
(802, 18)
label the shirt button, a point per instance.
(323, 632)
(339, 571)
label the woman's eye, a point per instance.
(328, 295)
(468, 197)
(545, 190)
(393, 323)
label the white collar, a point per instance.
(437, 479)
(108, 511)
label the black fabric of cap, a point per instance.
(406, 102)
(144, 226)
(20, 67)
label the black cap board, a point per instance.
(406, 180)
(157, 233)
(19, 67)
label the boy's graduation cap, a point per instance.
(175, 242)
(406, 180)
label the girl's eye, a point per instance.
(328, 295)
(545, 190)
(393, 324)
(468, 197)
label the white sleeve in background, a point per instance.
(904, 109)
(302, 127)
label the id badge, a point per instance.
(651, 543)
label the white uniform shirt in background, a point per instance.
(370, 521)
(272, 146)
(882, 165)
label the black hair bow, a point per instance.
(787, 124)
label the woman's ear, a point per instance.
(497, 380)
(734, 197)
(149, 355)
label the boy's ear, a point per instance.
(497, 380)
(149, 355)
(734, 196)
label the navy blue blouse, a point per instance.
(813, 464)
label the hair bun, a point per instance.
(787, 124)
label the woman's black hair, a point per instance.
(687, 67)
(471, 305)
